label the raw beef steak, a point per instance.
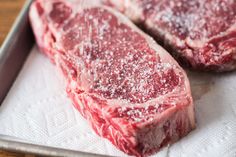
(130, 89)
(201, 33)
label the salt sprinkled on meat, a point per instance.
(188, 27)
(118, 78)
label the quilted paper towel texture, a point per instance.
(37, 110)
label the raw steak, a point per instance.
(130, 89)
(201, 33)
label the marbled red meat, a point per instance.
(130, 90)
(202, 33)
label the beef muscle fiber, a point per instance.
(201, 33)
(130, 90)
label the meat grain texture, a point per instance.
(129, 89)
(199, 33)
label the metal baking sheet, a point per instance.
(214, 96)
(13, 54)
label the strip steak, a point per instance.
(199, 33)
(130, 90)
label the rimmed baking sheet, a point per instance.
(28, 100)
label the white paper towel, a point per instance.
(37, 110)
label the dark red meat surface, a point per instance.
(130, 90)
(201, 33)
